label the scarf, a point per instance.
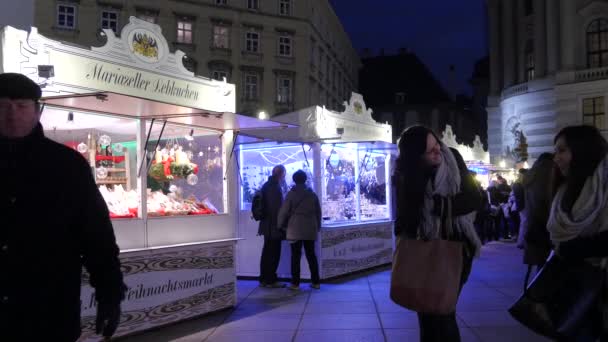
(589, 216)
(586, 216)
(446, 183)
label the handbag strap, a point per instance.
(447, 221)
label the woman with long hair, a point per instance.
(578, 222)
(427, 175)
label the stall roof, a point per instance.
(140, 108)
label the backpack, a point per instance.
(257, 206)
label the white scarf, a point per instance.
(447, 184)
(586, 217)
(589, 216)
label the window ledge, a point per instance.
(285, 60)
(184, 46)
(65, 29)
(218, 51)
(252, 55)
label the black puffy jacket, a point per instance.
(54, 221)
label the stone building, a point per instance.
(549, 69)
(281, 54)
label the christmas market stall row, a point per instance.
(159, 143)
(348, 157)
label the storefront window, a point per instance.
(373, 185)
(186, 173)
(339, 200)
(257, 161)
(108, 144)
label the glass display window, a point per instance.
(355, 182)
(186, 172)
(339, 190)
(108, 144)
(256, 162)
(373, 187)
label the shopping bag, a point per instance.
(426, 275)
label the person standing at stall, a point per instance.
(300, 215)
(430, 178)
(54, 221)
(272, 199)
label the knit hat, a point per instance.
(18, 86)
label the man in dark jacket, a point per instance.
(272, 197)
(54, 221)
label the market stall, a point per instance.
(348, 158)
(159, 141)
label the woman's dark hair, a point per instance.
(411, 176)
(299, 177)
(588, 149)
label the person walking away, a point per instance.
(518, 206)
(301, 215)
(54, 221)
(539, 188)
(272, 197)
(578, 220)
(428, 175)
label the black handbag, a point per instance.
(561, 299)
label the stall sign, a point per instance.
(353, 249)
(167, 287)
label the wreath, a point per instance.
(169, 170)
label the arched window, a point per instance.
(597, 43)
(529, 57)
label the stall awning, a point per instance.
(109, 103)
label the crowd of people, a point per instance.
(559, 205)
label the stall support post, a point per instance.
(316, 170)
(230, 195)
(142, 181)
(389, 192)
(357, 183)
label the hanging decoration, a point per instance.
(105, 140)
(82, 148)
(192, 179)
(118, 147)
(101, 173)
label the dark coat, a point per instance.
(301, 214)
(538, 192)
(272, 197)
(518, 194)
(54, 221)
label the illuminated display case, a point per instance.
(354, 182)
(185, 175)
(257, 161)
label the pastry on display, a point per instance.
(125, 204)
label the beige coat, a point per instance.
(300, 214)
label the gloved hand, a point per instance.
(108, 317)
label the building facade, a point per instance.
(548, 69)
(404, 92)
(281, 54)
